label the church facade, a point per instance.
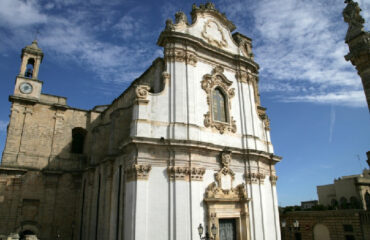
(187, 144)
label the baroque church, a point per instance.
(184, 152)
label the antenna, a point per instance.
(360, 162)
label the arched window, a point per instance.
(367, 200)
(343, 203)
(78, 140)
(27, 234)
(355, 204)
(334, 203)
(219, 106)
(29, 69)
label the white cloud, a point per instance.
(350, 98)
(15, 13)
(3, 125)
(128, 26)
(300, 48)
(298, 44)
(74, 35)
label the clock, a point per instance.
(25, 88)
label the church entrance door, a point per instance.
(227, 229)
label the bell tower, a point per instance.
(27, 84)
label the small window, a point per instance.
(219, 106)
(367, 200)
(350, 237)
(78, 140)
(347, 228)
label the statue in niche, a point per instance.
(352, 16)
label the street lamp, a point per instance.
(283, 225)
(207, 237)
(296, 225)
(292, 229)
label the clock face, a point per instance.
(25, 88)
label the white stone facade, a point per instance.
(158, 162)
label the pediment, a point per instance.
(209, 26)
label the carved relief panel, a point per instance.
(213, 33)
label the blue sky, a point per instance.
(94, 49)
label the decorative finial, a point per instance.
(169, 25)
(180, 17)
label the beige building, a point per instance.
(309, 204)
(187, 144)
(347, 192)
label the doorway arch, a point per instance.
(321, 232)
(28, 231)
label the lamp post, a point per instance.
(207, 237)
(283, 225)
(292, 229)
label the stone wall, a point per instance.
(39, 136)
(41, 202)
(40, 178)
(333, 220)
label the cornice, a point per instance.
(202, 146)
(33, 101)
(185, 173)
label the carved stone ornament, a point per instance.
(254, 177)
(185, 173)
(142, 92)
(213, 192)
(213, 33)
(166, 76)
(169, 25)
(180, 18)
(218, 190)
(181, 55)
(225, 176)
(241, 76)
(137, 172)
(209, 83)
(351, 15)
(263, 116)
(273, 179)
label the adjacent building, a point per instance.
(347, 192)
(309, 204)
(187, 143)
(350, 220)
